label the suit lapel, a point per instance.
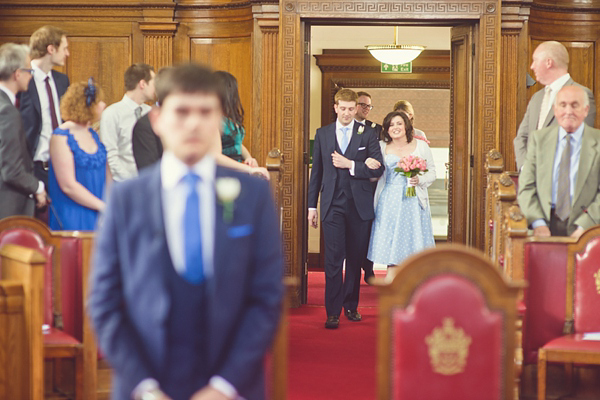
(354, 142)
(159, 244)
(549, 141)
(330, 139)
(33, 94)
(586, 160)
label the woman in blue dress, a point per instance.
(402, 224)
(78, 173)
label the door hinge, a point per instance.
(473, 48)
(472, 161)
(306, 47)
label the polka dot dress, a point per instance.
(401, 227)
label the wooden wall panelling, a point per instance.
(158, 43)
(296, 13)
(515, 65)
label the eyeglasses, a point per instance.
(365, 105)
(30, 70)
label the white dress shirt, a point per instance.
(42, 152)
(13, 98)
(555, 88)
(116, 130)
(174, 194)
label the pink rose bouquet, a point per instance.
(411, 166)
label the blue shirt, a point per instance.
(576, 139)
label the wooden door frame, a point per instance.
(295, 14)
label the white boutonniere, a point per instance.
(373, 125)
(228, 190)
(361, 129)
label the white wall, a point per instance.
(337, 37)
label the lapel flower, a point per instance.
(228, 190)
(361, 129)
(373, 125)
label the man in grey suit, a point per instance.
(550, 65)
(18, 185)
(559, 186)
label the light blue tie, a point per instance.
(344, 144)
(194, 269)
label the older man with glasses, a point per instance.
(18, 185)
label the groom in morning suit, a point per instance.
(187, 279)
(341, 175)
(559, 186)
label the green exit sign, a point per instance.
(397, 68)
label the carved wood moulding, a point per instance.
(391, 84)
(295, 13)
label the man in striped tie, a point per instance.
(560, 181)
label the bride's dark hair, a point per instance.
(407, 126)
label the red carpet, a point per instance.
(332, 364)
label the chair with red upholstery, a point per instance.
(447, 329)
(582, 299)
(62, 337)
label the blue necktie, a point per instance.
(194, 269)
(344, 144)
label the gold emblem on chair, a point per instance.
(448, 348)
(597, 276)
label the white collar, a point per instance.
(172, 169)
(11, 96)
(338, 125)
(39, 75)
(559, 83)
(130, 103)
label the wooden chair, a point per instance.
(66, 271)
(446, 329)
(504, 196)
(582, 299)
(21, 316)
(494, 166)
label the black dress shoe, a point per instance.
(332, 322)
(353, 315)
(368, 275)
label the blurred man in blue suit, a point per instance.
(187, 281)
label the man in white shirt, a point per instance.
(550, 65)
(187, 278)
(118, 120)
(18, 185)
(40, 104)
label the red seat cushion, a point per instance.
(587, 295)
(574, 343)
(546, 274)
(421, 357)
(71, 286)
(57, 337)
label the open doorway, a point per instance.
(337, 62)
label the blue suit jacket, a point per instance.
(323, 175)
(29, 105)
(129, 302)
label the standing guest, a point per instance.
(402, 224)
(78, 172)
(229, 151)
(40, 104)
(551, 67)
(18, 185)
(340, 174)
(406, 107)
(363, 110)
(559, 195)
(145, 144)
(178, 314)
(116, 125)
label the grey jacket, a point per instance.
(532, 115)
(17, 182)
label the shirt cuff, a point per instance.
(220, 384)
(144, 386)
(538, 222)
(312, 209)
(41, 188)
(352, 169)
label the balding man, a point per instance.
(550, 65)
(559, 184)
